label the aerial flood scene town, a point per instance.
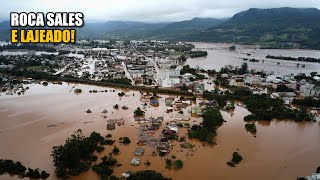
(192, 93)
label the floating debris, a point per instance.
(51, 125)
(45, 83)
(88, 122)
(78, 90)
(114, 120)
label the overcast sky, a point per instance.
(147, 10)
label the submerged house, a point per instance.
(163, 149)
(207, 103)
(127, 174)
(111, 126)
(314, 176)
(173, 127)
(169, 101)
(140, 120)
(168, 133)
(154, 102)
(142, 142)
(196, 110)
(181, 117)
(139, 152)
(135, 161)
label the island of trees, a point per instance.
(288, 58)
(76, 155)
(251, 127)
(236, 159)
(194, 54)
(16, 168)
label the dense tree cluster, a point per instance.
(288, 58)
(175, 164)
(125, 140)
(262, 107)
(124, 81)
(178, 164)
(194, 54)
(16, 168)
(147, 175)
(181, 47)
(116, 150)
(251, 127)
(188, 69)
(107, 142)
(138, 112)
(103, 168)
(76, 155)
(266, 108)
(284, 88)
(307, 102)
(212, 119)
(168, 163)
(236, 159)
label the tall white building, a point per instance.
(168, 77)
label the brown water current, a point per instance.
(219, 56)
(31, 124)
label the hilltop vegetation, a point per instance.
(273, 28)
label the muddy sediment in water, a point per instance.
(31, 124)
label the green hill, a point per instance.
(278, 27)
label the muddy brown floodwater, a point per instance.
(219, 56)
(31, 124)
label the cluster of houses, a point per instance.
(270, 83)
(143, 62)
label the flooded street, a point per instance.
(31, 124)
(219, 56)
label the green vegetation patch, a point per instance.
(251, 127)
(76, 155)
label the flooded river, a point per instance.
(219, 56)
(31, 124)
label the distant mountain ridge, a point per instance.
(195, 23)
(270, 27)
(276, 28)
(276, 15)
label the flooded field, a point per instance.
(219, 56)
(32, 123)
